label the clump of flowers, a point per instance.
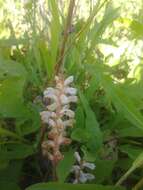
(81, 176)
(58, 116)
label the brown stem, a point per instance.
(65, 35)
(42, 134)
(54, 169)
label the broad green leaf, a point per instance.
(15, 151)
(127, 107)
(12, 80)
(122, 101)
(9, 185)
(92, 88)
(30, 122)
(9, 176)
(80, 117)
(59, 186)
(91, 126)
(87, 129)
(65, 165)
(10, 69)
(101, 167)
(81, 135)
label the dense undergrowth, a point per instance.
(88, 53)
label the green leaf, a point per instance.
(12, 41)
(9, 176)
(98, 30)
(59, 186)
(80, 117)
(87, 129)
(12, 80)
(91, 126)
(9, 186)
(122, 101)
(65, 165)
(135, 26)
(129, 131)
(93, 85)
(5, 132)
(79, 133)
(30, 122)
(101, 167)
(15, 151)
(55, 34)
(132, 151)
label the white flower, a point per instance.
(64, 99)
(45, 115)
(58, 115)
(53, 114)
(89, 165)
(72, 99)
(82, 177)
(52, 107)
(75, 181)
(52, 97)
(68, 123)
(49, 91)
(52, 123)
(89, 176)
(77, 157)
(68, 112)
(78, 169)
(70, 91)
(75, 168)
(59, 122)
(69, 80)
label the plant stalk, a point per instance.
(138, 185)
(124, 177)
(65, 35)
(77, 36)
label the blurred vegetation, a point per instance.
(104, 53)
